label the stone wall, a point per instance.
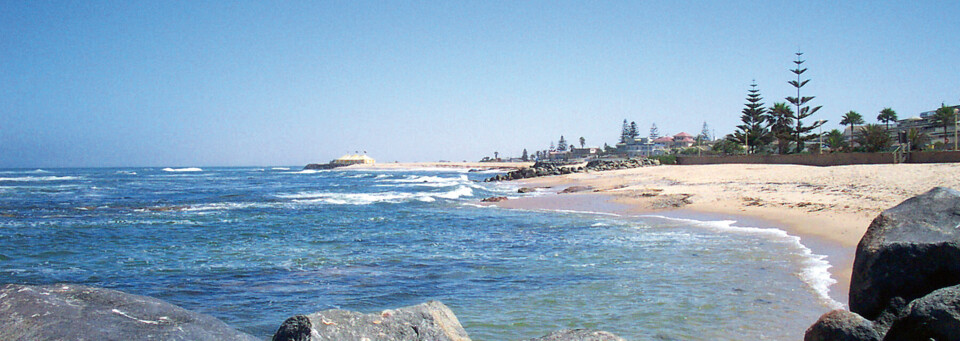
(829, 159)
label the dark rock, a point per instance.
(933, 317)
(77, 312)
(322, 166)
(525, 190)
(841, 325)
(908, 252)
(494, 199)
(574, 189)
(578, 335)
(296, 328)
(427, 321)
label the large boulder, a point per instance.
(77, 312)
(841, 325)
(578, 335)
(933, 317)
(907, 252)
(427, 321)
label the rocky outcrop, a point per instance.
(77, 312)
(908, 252)
(427, 321)
(493, 199)
(905, 275)
(578, 335)
(933, 317)
(318, 166)
(841, 325)
(551, 168)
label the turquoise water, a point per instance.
(253, 246)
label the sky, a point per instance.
(257, 83)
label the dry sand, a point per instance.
(828, 207)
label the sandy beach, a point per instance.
(828, 207)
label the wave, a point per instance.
(309, 171)
(370, 198)
(187, 169)
(126, 172)
(40, 178)
(815, 268)
(280, 168)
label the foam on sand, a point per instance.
(187, 169)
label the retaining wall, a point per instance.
(829, 159)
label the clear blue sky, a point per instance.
(195, 83)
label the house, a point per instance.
(925, 124)
(354, 159)
(683, 140)
(640, 147)
(585, 153)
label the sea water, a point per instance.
(253, 246)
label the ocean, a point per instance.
(254, 246)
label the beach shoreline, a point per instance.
(828, 208)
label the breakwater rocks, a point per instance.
(551, 168)
(906, 275)
(319, 166)
(78, 312)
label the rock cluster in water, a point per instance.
(906, 276)
(552, 168)
(77, 312)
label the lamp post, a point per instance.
(820, 124)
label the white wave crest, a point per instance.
(40, 178)
(222, 206)
(280, 168)
(187, 169)
(309, 171)
(370, 198)
(814, 271)
(126, 172)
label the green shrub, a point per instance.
(666, 159)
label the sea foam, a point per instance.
(187, 169)
(815, 268)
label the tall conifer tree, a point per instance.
(801, 132)
(754, 132)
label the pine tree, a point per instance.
(754, 131)
(562, 145)
(801, 132)
(705, 132)
(552, 146)
(625, 132)
(525, 157)
(654, 132)
(634, 132)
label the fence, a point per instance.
(831, 159)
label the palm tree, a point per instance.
(944, 117)
(583, 141)
(851, 118)
(887, 115)
(781, 125)
(874, 138)
(836, 141)
(917, 139)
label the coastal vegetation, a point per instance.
(786, 127)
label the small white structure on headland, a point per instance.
(354, 159)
